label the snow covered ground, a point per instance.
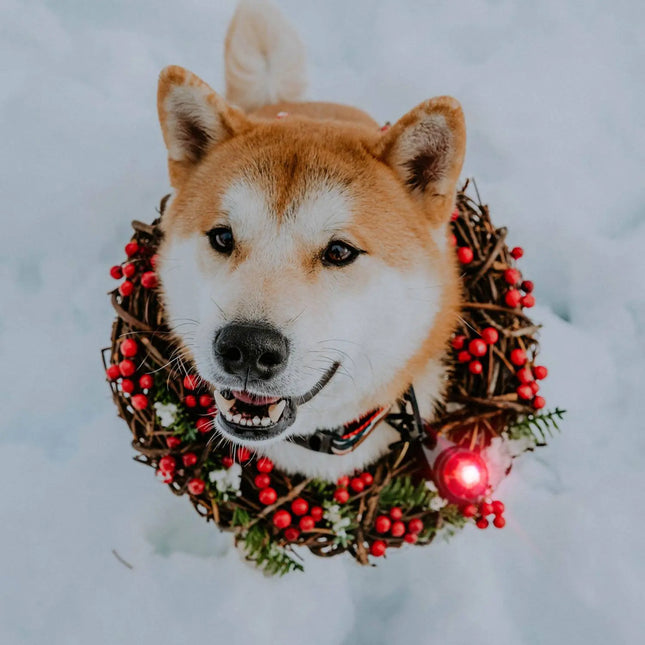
(553, 92)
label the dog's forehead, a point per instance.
(254, 210)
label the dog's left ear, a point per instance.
(426, 149)
(193, 118)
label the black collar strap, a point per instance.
(343, 439)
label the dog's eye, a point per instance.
(339, 254)
(221, 239)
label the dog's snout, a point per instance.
(251, 350)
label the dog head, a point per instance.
(305, 264)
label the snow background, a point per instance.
(553, 93)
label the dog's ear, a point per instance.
(193, 118)
(426, 149)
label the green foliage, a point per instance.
(402, 491)
(537, 426)
(240, 517)
(266, 554)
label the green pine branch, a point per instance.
(537, 426)
(266, 554)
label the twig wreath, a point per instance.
(435, 480)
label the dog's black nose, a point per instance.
(252, 351)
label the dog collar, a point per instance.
(346, 438)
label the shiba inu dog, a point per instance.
(306, 265)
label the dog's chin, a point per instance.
(244, 417)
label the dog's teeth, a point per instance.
(256, 421)
(236, 418)
(276, 410)
(229, 416)
(265, 421)
(222, 403)
(242, 421)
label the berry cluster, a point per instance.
(124, 373)
(476, 348)
(199, 402)
(357, 484)
(394, 525)
(140, 266)
(483, 510)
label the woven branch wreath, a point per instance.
(420, 489)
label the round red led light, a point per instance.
(460, 475)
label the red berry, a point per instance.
(486, 508)
(291, 533)
(528, 301)
(464, 357)
(113, 372)
(357, 484)
(129, 269)
(498, 507)
(410, 538)
(378, 548)
(512, 298)
(116, 272)
(267, 496)
(539, 402)
(477, 347)
(149, 280)
(343, 482)
(196, 486)
(203, 425)
(475, 367)
(167, 464)
(512, 276)
(458, 342)
(299, 506)
(129, 347)
(154, 260)
(465, 254)
(396, 513)
(470, 510)
(540, 372)
(281, 519)
(146, 381)
(454, 215)
(482, 523)
(205, 400)
(383, 524)
(415, 525)
(453, 239)
(139, 401)
(167, 477)
(262, 480)
(264, 465)
(518, 357)
(173, 442)
(131, 248)
(317, 513)
(490, 335)
(341, 495)
(227, 462)
(499, 522)
(190, 401)
(524, 375)
(307, 523)
(517, 252)
(189, 459)
(191, 382)
(127, 386)
(367, 478)
(126, 288)
(525, 392)
(127, 367)
(535, 388)
(243, 454)
(398, 528)
(527, 286)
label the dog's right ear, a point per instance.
(193, 118)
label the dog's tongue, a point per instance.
(254, 399)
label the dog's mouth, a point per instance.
(253, 417)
